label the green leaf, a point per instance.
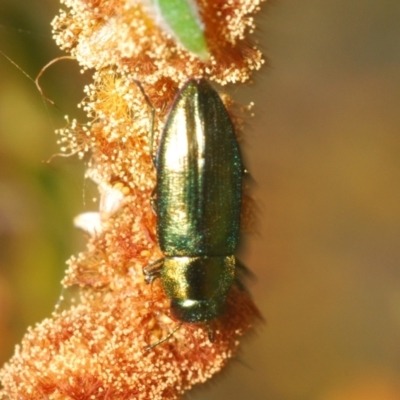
(184, 22)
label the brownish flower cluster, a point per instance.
(97, 349)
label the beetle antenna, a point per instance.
(164, 339)
(152, 116)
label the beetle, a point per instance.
(197, 200)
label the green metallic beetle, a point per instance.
(197, 200)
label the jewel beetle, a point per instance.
(197, 200)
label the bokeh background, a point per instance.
(324, 153)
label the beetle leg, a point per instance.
(153, 270)
(164, 339)
(243, 270)
(152, 118)
(242, 273)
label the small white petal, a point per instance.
(93, 174)
(90, 222)
(110, 201)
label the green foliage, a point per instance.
(183, 19)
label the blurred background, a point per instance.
(38, 199)
(324, 151)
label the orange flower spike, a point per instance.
(96, 349)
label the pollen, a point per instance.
(97, 345)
